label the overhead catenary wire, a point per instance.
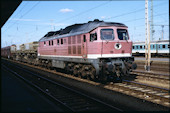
(22, 16)
(66, 18)
(80, 12)
(92, 9)
(83, 13)
(20, 10)
(144, 25)
(144, 18)
(130, 12)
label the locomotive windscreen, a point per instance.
(122, 34)
(107, 34)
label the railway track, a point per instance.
(71, 99)
(143, 91)
(157, 66)
(150, 76)
(147, 92)
(162, 69)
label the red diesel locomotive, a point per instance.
(94, 50)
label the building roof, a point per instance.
(77, 29)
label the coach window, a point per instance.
(44, 43)
(84, 38)
(61, 41)
(153, 46)
(133, 47)
(143, 47)
(163, 46)
(57, 41)
(140, 47)
(136, 47)
(107, 34)
(159, 46)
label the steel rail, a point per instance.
(154, 68)
(75, 91)
(151, 73)
(146, 85)
(164, 78)
(33, 85)
(160, 96)
(121, 86)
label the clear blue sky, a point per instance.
(33, 19)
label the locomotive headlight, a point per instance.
(118, 46)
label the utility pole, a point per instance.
(152, 31)
(147, 40)
(149, 48)
(162, 31)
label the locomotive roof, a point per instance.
(77, 29)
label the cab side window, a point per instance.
(61, 41)
(52, 42)
(49, 43)
(58, 42)
(93, 37)
(84, 38)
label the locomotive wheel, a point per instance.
(88, 72)
(36, 62)
(49, 65)
(76, 69)
(83, 72)
(69, 68)
(91, 73)
(118, 77)
(80, 70)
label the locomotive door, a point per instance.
(84, 47)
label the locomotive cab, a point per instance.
(113, 48)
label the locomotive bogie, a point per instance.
(117, 67)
